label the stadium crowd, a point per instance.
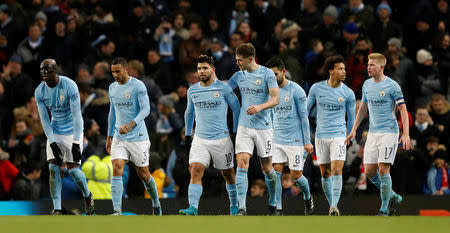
(162, 40)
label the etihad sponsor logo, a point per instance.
(252, 91)
(282, 108)
(123, 104)
(207, 104)
(331, 107)
(377, 102)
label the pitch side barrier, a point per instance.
(356, 205)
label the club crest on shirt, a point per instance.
(382, 93)
(258, 82)
(340, 99)
(62, 98)
(216, 94)
(287, 98)
(127, 95)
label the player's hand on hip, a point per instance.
(350, 138)
(253, 109)
(405, 142)
(309, 148)
(76, 152)
(56, 151)
(108, 144)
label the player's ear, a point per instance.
(214, 69)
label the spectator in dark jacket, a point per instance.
(27, 186)
(437, 182)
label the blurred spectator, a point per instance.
(179, 26)
(181, 103)
(5, 51)
(437, 182)
(309, 19)
(32, 51)
(192, 48)
(27, 186)
(356, 65)
(59, 46)
(95, 105)
(236, 39)
(8, 175)
(423, 128)
(263, 17)
(384, 28)
(29, 113)
(84, 75)
(329, 31)
(168, 42)
(224, 62)
(53, 13)
(93, 141)
(350, 33)
(288, 185)
(18, 85)
(103, 51)
(238, 15)
(214, 29)
(8, 26)
(401, 69)
(19, 143)
(442, 15)
(357, 12)
(102, 76)
(258, 188)
(422, 32)
(41, 20)
(159, 71)
(98, 171)
(428, 77)
(441, 54)
(439, 112)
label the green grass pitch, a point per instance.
(217, 224)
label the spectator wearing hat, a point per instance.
(224, 62)
(18, 85)
(357, 12)
(437, 181)
(428, 77)
(384, 28)
(345, 45)
(401, 69)
(41, 19)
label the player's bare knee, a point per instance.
(384, 168)
(336, 171)
(117, 168)
(243, 160)
(278, 167)
(197, 171)
(55, 162)
(296, 174)
(143, 173)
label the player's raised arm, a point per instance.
(233, 102)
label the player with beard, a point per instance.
(208, 102)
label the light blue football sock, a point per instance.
(232, 194)
(385, 191)
(279, 191)
(271, 182)
(152, 190)
(326, 186)
(80, 179)
(116, 192)
(377, 182)
(242, 186)
(194, 194)
(302, 184)
(336, 185)
(55, 184)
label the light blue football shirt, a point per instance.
(210, 106)
(128, 102)
(290, 118)
(381, 98)
(63, 103)
(254, 87)
(333, 104)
